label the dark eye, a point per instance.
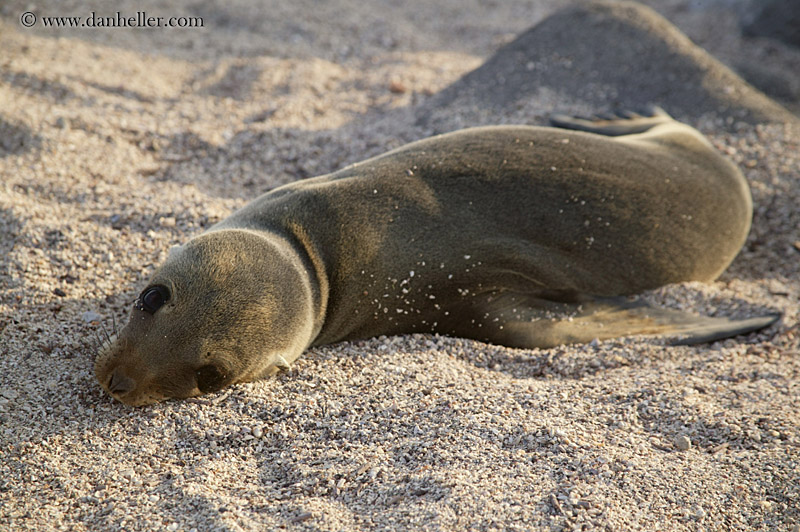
(210, 378)
(153, 298)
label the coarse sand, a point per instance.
(117, 143)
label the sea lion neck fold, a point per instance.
(292, 240)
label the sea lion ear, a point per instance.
(173, 251)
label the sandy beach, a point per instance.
(117, 143)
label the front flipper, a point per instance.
(522, 320)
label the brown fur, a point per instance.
(485, 233)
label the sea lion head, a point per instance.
(224, 308)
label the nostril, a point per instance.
(119, 383)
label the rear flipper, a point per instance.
(614, 125)
(521, 320)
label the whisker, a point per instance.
(99, 344)
(105, 331)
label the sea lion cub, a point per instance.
(520, 236)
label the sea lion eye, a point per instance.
(153, 298)
(210, 378)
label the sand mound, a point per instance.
(604, 56)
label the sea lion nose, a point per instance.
(119, 383)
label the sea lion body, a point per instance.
(400, 237)
(482, 233)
